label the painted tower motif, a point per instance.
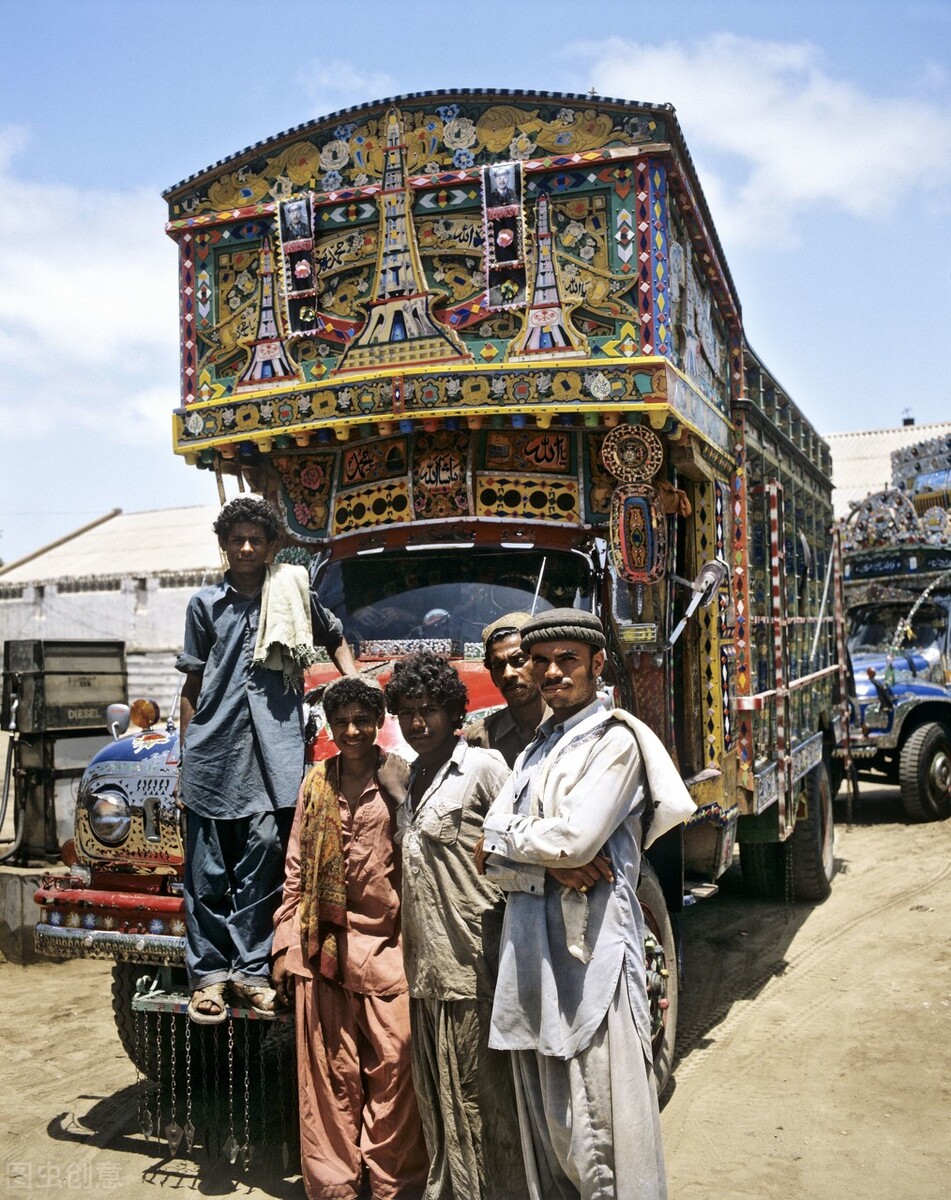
(547, 328)
(399, 327)
(268, 362)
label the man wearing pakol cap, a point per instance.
(509, 730)
(571, 999)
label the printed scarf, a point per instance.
(323, 884)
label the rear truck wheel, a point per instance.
(151, 1055)
(802, 867)
(925, 773)
(663, 973)
(811, 844)
(764, 868)
(156, 1042)
(184, 1059)
(836, 768)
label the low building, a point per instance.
(126, 577)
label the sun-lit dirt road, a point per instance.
(814, 1053)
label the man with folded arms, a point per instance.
(564, 839)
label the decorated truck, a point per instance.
(897, 566)
(484, 352)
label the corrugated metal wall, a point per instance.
(152, 675)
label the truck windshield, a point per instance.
(394, 602)
(877, 628)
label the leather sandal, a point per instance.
(257, 996)
(210, 994)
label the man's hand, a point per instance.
(583, 878)
(282, 980)
(343, 659)
(481, 855)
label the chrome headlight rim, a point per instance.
(110, 816)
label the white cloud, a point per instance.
(329, 86)
(88, 303)
(87, 272)
(775, 132)
(147, 416)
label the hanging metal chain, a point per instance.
(152, 1061)
(158, 1075)
(173, 1131)
(138, 1019)
(189, 1129)
(231, 1145)
(246, 1148)
(174, 1063)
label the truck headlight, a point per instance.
(110, 817)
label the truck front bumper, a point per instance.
(78, 922)
(59, 942)
(863, 746)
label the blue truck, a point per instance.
(897, 567)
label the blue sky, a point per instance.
(821, 132)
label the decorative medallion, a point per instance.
(632, 453)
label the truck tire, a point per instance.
(925, 773)
(836, 768)
(810, 865)
(145, 1057)
(764, 869)
(663, 973)
(811, 844)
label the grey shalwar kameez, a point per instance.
(452, 919)
(242, 764)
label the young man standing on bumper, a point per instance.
(247, 641)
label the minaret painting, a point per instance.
(547, 328)
(399, 326)
(268, 361)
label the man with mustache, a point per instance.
(571, 1000)
(509, 730)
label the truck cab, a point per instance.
(901, 727)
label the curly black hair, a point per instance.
(351, 689)
(250, 509)
(426, 673)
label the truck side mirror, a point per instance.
(117, 719)
(710, 578)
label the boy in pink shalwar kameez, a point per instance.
(339, 954)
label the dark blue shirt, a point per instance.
(244, 747)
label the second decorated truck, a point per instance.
(897, 568)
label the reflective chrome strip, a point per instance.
(61, 942)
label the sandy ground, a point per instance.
(813, 1062)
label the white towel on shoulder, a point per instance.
(285, 640)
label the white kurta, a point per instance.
(571, 995)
